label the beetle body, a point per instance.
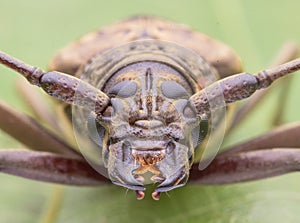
(145, 93)
(149, 67)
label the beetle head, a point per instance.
(149, 128)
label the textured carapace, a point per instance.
(217, 54)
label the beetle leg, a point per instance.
(271, 154)
(59, 85)
(277, 118)
(37, 104)
(288, 52)
(287, 135)
(30, 133)
(247, 166)
(238, 87)
(49, 167)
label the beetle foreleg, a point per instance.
(37, 104)
(246, 166)
(30, 133)
(271, 154)
(48, 167)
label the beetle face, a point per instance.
(149, 130)
(149, 133)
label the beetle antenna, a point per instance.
(267, 77)
(238, 87)
(29, 72)
(60, 85)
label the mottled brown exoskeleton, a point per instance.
(146, 94)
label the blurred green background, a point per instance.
(34, 30)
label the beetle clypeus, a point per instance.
(146, 94)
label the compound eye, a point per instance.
(95, 130)
(200, 132)
(173, 90)
(188, 112)
(123, 89)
